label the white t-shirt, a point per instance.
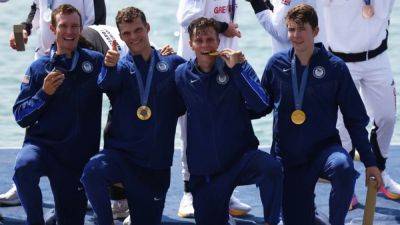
(190, 10)
(348, 31)
(274, 22)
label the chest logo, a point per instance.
(319, 72)
(162, 66)
(222, 79)
(87, 67)
(286, 2)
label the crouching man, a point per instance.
(139, 144)
(222, 94)
(307, 85)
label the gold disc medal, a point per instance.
(143, 112)
(298, 117)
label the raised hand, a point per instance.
(167, 50)
(13, 44)
(52, 82)
(112, 55)
(232, 31)
(232, 57)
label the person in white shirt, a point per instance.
(41, 21)
(271, 15)
(357, 32)
(223, 11)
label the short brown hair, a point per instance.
(302, 14)
(201, 24)
(129, 14)
(64, 9)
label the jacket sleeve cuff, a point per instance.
(222, 26)
(237, 69)
(369, 160)
(42, 95)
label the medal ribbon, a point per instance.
(145, 91)
(50, 4)
(233, 9)
(367, 2)
(74, 59)
(298, 95)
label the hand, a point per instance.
(112, 56)
(373, 171)
(167, 50)
(52, 81)
(232, 31)
(232, 57)
(13, 44)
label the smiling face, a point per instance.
(204, 41)
(136, 35)
(301, 35)
(67, 30)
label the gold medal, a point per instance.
(367, 11)
(143, 112)
(298, 117)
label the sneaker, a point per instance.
(186, 206)
(10, 198)
(127, 221)
(391, 189)
(354, 202)
(238, 208)
(119, 209)
(231, 220)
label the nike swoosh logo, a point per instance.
(192, 81)
(285, 70)
(157, 199)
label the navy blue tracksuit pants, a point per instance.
(32, 163)
(211, 194)
(145, 188)
(332, 163)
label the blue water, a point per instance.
(255, 43)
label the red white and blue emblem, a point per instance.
(286, 2)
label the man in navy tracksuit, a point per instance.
(222, 94)
(139, 145)
(60, 105)
(306, 85)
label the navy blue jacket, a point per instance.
(148, 143)
(68, 122)
(219, 129)
(329, 88)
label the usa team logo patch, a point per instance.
(162, 66)
(87, 67)
(286, 2)
(319, 72)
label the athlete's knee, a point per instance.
(344, 173)
(26, 168)
(92, 171)
(271, 167)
